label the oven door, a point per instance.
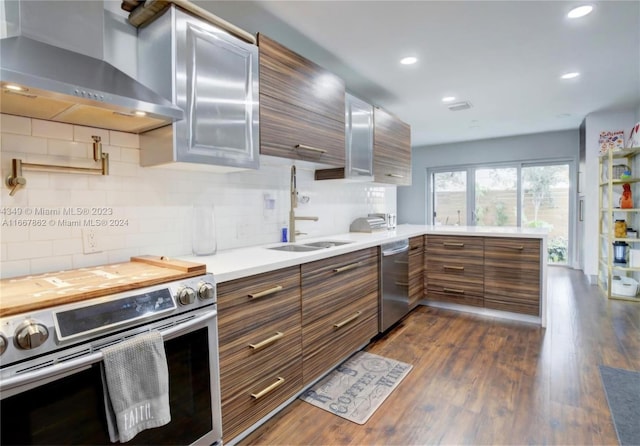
(64, 403)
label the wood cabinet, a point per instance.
(416, 268)
(339, 309)
(391, 149)
(454, 266)
(302, 107)
(259, 328)
(512, 274)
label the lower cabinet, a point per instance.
(455, 269)
(416, 268)
(512, 275)
(259, 327)
(339, 309)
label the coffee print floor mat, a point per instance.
(357, 387)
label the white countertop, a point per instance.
(243, 262)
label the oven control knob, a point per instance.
(206, 291)
(186, 296)
(31, 334)
(3, 343)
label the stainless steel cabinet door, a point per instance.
(216, 84)
(359, 137)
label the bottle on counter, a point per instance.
(203, 235)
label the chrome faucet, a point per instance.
(294, 204)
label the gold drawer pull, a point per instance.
(275, 289)
(402, 283)
(351, 318)
(457, 268)
(517, 248)
(453, 245)
(395, 175)
(310, 149)
(347, 267)
(401, 262)
(268, 389)
(267, 341)
(453, 291)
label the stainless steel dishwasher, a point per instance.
(394, 283)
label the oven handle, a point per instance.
(88, 360)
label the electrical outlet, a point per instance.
(89, 241)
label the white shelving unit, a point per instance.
(610, 191)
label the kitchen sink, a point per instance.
(303, 247)
(296, 248)
(327, 244)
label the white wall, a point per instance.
(595, 123)
(155, 203)
(412, 199)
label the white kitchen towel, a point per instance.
(135, 381)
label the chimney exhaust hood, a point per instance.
(43, 81)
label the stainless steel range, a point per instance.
(50, 380)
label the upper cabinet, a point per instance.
(213, 77)
(358, 141)
(302, 107)
(391, 149)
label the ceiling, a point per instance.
(504, 57)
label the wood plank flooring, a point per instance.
(482, 380)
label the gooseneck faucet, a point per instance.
(294, 204)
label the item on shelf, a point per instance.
(634, 258)
(632, 233)
(634, 136)
(620, 253)
(611, 141)
(620, 229)
(624, 286)
(626, 200)
(619, 171)
(625, 175)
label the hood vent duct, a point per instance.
(42, 81)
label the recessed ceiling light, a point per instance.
(408, 60)
(570, 75)
(448, 99)
(580, 11)
(14, 87)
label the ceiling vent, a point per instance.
(457, 106)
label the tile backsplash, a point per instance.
(148, 210)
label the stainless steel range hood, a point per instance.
(65, 86)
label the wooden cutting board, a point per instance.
(31, 293)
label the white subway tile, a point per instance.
(130, 156)
(15, 269)
(51, 129)
(54, 229)
(15, 124)
(72, 149)
(67, 246)
(113, 151)
(84, 134)
(86, 260)
(23, 144)
(87, 198)
(124, 139)
(51, 264)
(29, 250)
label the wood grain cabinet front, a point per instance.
(339, 309)
(512, 274)
(302, 107)
(416, 269)
(259, 325)
(454, 266)
(391, 149)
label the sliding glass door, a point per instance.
(523, 194)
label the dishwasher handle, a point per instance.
(395, 249)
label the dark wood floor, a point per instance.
(481, 380)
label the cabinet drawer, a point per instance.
(416, 243)
(331, 284)
(510, 251)
(283, 127)
(442, 295)
(456, 269)
(447, 247)
(287, 76)
(330, 339)
(270, 390)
